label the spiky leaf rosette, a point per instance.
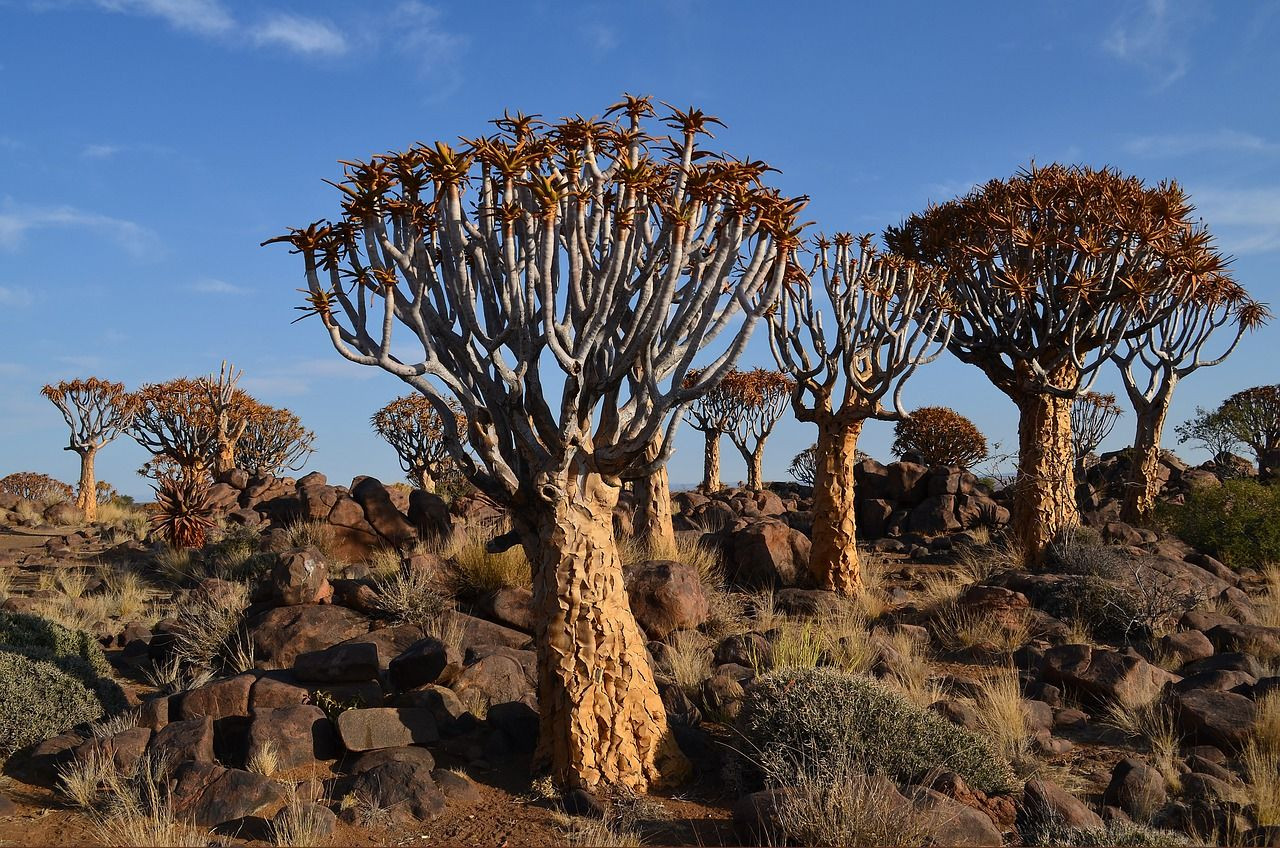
(184, 512)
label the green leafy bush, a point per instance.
(31, 631)
(1238, 522)
(798, 721)
(1116, 834)
(39, 698)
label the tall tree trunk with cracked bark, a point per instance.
(1044, 500)
(602, 721)
(711, 461)
(425, 481)
(653, 522)
(226, 459)
(833, 561)
(1143, 485)
(87, 494)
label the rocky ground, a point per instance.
(347, 664)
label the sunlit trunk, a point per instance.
(711, 461)
(833, 560)
(1044, 495)
(653, 519)
(425, 481)
(87, 495)
(226, 460)
(1143, 486)
(755, 468)
(602, 719)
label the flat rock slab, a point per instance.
(387, 727)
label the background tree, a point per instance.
(1152, 365)
(1048, 272)
(941, 436)
(653, 525)
(1211, 428)
(233, 411)
(273, 442)
(804, 466)
(176, 424)
(97, 411)
(587, 247)
(887, 317)
(759, 398)
(709, 414)
(35, 487)
(1093, 416)
(1253, 417)
(411, 425)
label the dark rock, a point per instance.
(316, 819)
(405, 789)
(666, 596)
(370, 760)
(1222, 719)
(300, 735)
(1105, 675)
(386, 727)
(1136, 788)
(185, 741)
(766, 554)
(346, 662)
(280, 635)
(422, 663)
(219, 699)
(387, 521)
(210, 795)
(1044, 802)
(301, 576)
(1187, 646)
(510, 607)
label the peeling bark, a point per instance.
(87, 494)
(711, 461)
(653, 522)
(833, 561)
(1044, 495)
(1143, 485)
(755, 468)
(226, 460)
(602, 722)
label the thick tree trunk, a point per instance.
(711, 461)
(755, 468)
(653, 521)
(602, 719)
(226, 459)
(1044, 495)
(833, 559)
(87, 495)
(425, 481)
(1143, 485)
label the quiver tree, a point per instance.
(888, 319)
(1093, 416)
(1253, 417)
(273, 442)
(758, 398)
(1212, 429)
(414, 429)
(97, 411)
(589, 248)
(35, 487)
(1151, 366)
(654, 522)
(176, 424)
(804, 466)
(940, 436)
(709, 415)
(232, 411)
(1049, 271)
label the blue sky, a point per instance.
(148, 146)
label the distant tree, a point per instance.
(612, 253)
(97, 411)
(1211, 428)
(1093, 416)
(804, 465)
(1153, 364)
(941, 436)
(415, 430)
(759, 398)
(233, 411)
(1047, 273)
(889, 320)
(1253, 417)
(176, 424)
(35, 487)
(273, 442)
(709, 414)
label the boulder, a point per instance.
(386, 727)
(510, 607)
(496, 676)
(405, 789)
(353, 537)
(1044, 802)
(666, 596)
(766, 554)
(209, 795)
(1262, 642)
(429, 515)
(184, 741)
(62, 514)
(219, 699)
(1136, 788)
(1224, 719)
(1187, 646)
(124, 749)
(421, 663)
(1105, 675)
(381, 514)
(370, 760)
(315, 819)
(301, 576)
(282, 634)
(299, 735)
(934, 516)
(346, 662)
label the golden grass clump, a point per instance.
(475, 572)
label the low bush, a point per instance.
(799, 721)
(39, 698)
(31, 631)
(1080, 550)
(1104, 608)
(1117, 834)
(1238, 522)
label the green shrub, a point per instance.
(39, 699)
(1107, 610)
(798, 721)
(1115, 835)
(31, 631)
(1238, 522)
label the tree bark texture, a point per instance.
(87, 494)
(1143, 485)
(711, 461)
(1044, 500)
(226, 455)
(602, 722)
(425, 481)
(653, 522)
(755, 468)
(833, 561)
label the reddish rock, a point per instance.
(219, 699)
(299, 735)
(386, 727)
(767, 554)
(185, 741)
(666, 596)
(301, 576)
(280, 635)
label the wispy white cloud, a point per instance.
(299, 34)
(298, 378)
(1155, 35)
(18, 220)
(204, 17)
(1245, 220)
(100, 151)
(212, 286)
(600, 38)
(14, 297)
(1192, 143)
(420, 33)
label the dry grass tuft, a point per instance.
(962, 629)
(910, 671)
(998, 699)
(299, 822)
(596, 833)
(689, 659)
(412, 596)
(1261, 760)
(476, 572)
(1157, 726)
(1268, 603)
(312, 534)
(265, 760)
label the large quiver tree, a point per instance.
(889, 319)
(1048, 272)
(176, 424)
(413, 428)
(233, 411)
(1152, 365)
(582, 247)
(759, 398)
(97, 411)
